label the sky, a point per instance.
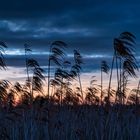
(86, 25)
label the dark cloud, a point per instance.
(86, 25)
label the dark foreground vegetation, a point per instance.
(27, 112)
(44, 121)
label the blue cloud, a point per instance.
(88, 26)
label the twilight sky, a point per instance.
(86, 25)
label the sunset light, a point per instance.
(70, 70)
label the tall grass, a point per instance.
(71, 123)
(67, 113)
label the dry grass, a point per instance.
(70, 123)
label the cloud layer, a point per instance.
(86, 25)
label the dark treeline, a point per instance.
(64, 112)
